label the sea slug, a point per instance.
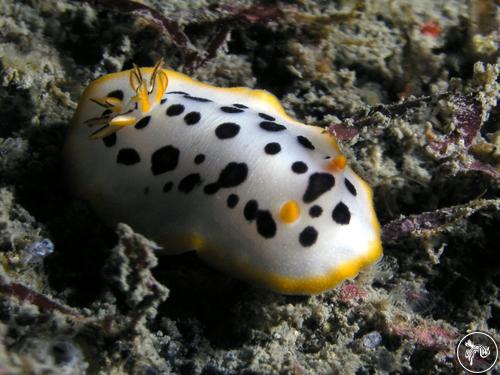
(225, 172)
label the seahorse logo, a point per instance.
(473, 349)
(477, 352)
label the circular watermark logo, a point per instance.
(477, 352)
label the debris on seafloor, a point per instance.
(38, 250)
(231, 15)
(372, 340)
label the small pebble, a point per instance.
(65, 352)
(420, 300)
(38, 250)
(372, 340)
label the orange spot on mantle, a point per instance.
(337, 164)
(290, 212)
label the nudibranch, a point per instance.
(225, 172)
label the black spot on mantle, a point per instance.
(227, 130)
(232, 175)
(266, 226)
(188, 183)
(164, 159)
(308, 236)
(319, 183)
(305, 142)
(341, 214)
(128, 156)
(350, 187)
